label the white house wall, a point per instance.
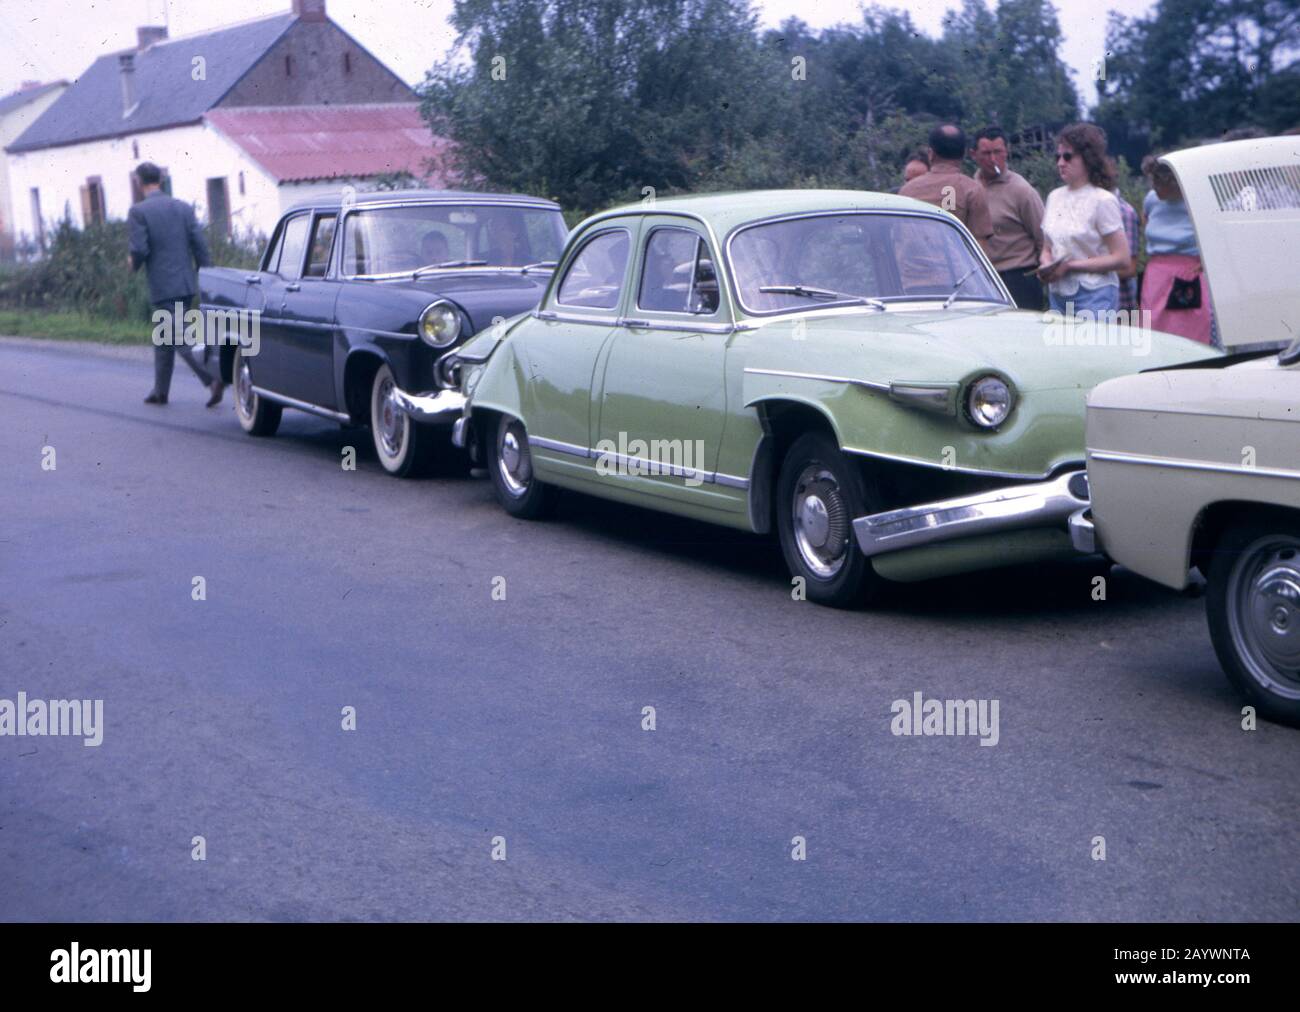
(191, 154)
(11, 126)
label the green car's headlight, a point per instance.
(988, 402)
(439, 325)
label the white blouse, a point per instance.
(1076, 223)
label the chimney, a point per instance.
(310, 10)
(126, 63)
(147, 35)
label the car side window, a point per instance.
(594, 279)
(293, 246)
(321, 241)
(677, 274)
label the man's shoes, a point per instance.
(216, 388)
(156, 399)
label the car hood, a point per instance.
(484, 296)
(1257, 389)
(1036, 351)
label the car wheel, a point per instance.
(1252, 603)
(819, 493)
(257, 416)
(511, 466)
(404, 447)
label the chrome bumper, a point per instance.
(1042, 504)
(1083, 535)
(442, 406)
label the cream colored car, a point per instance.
(1199, 466)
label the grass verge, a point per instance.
(66, 326)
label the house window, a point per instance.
(347, 63)
(137, 193)
(288, 66)
(219, 206)
(92, 202)
(241, 184)
(135, 150)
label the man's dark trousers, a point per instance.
(1026, 291)
(165, 238)
(164, 355)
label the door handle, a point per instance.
(293, 287)
(254, 279)
(637, 323)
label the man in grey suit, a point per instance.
(166, 239)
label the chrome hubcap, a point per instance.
(392, 422)
(244, 395)
(1264, 613)
(821, 521)
(513, 460)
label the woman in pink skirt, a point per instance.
(1174, 287)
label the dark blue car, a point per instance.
(356, 300)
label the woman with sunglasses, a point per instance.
(1084, 245)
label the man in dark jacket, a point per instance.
(166, 240)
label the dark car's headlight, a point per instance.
(439, 325)
(989, 401)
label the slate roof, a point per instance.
(168, 95)
(310, 142)
(20, 98)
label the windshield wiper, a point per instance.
(824, 294)
(447, 265)
(957, 287)
(552, 264)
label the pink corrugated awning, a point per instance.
(302, 143)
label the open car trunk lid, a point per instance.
(1244, 202)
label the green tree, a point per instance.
(1193, 69)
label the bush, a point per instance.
(85, 271)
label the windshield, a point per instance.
(854, 256)
(390, 240)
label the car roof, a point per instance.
(725, 211)
(332, 201)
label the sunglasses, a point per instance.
(1065, 156)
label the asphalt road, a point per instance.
(479, 718)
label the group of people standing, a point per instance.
(1083, 243)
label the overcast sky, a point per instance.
(51, 39)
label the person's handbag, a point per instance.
(1185, 294)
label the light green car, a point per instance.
(846, 366)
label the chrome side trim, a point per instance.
(686, 328)
(439, 406)
(1012, 475)
(650, 466)
(1185, 464)
(293, 402)
(551, 316)
(458, 432)
(869, 384)
(1043, 504)
(572, 449)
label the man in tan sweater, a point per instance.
(1017, 213)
